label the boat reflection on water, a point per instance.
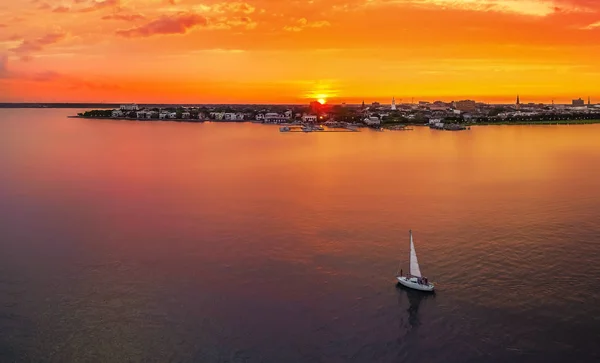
(415, 298)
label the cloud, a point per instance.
(167, 24)
(540, 8)
(4, 66)
(99, 5)
(302, 24)
(227, 7)
(125, 17)
(61, 9)
(228, 23)
(29, 46)
(592, 26)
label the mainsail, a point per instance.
(414, 263)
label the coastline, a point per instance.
(386, 127)
(528, 123)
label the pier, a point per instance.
(309, 128)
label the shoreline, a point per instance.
(386, 127)
(528, 123)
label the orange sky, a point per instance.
(291, 51)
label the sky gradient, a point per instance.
(276, 51)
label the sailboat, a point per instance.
(414, 279)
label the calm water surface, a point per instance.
(172, 242)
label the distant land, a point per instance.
(117, 105)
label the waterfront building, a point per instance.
(466, 106)
(309, 118)
(438, 106)
(393, 103)
(273, 117)
(578, 103)
(117, 113)
(186, 115)
(130, 107)
(372, 121)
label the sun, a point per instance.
(322, 101)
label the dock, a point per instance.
(309, 129)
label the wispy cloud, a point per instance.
(125, 17)
(61, 9)
(592, 26)
(302, 24)
(226, 7)
(179, 23)
(99, 5)
(539, 8)
(29, 46)
(4, 66)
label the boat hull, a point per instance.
(413, 284)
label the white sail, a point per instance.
(414, 263)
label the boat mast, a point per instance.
(409, 246)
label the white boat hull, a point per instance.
(413, 284)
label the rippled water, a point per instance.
(170, 242)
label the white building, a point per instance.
(131, 107)
(433, 121)
(393, 103)
(309, 118)
(275, 118)
(172, 114)
(372, 121)
(163, 115)
(217, 115)
(117, 113)
(185, 115)
(288, 113)
(260, 117)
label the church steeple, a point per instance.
(518, 100)
(393, 103)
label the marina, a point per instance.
(310, 128)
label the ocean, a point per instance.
(125, 241)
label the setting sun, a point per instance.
(322, 101)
